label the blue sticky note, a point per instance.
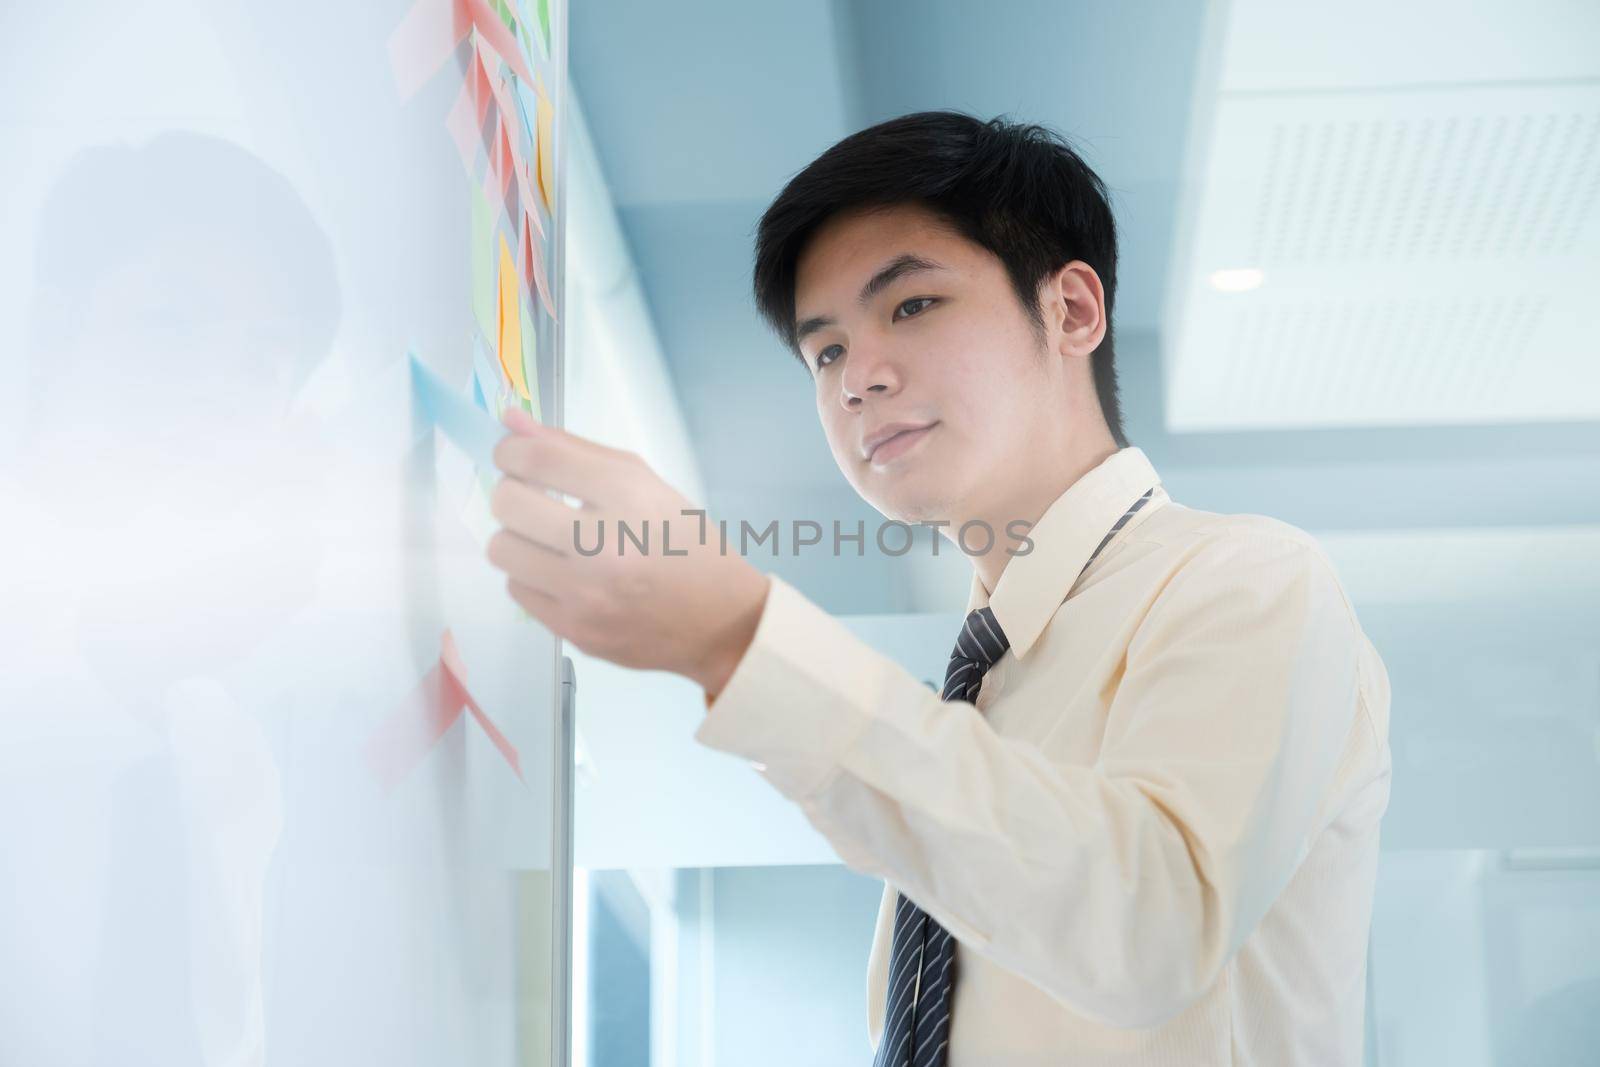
(469, 427)
(490, 378)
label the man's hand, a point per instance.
(692, 612)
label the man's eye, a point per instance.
(915, 300)
(824, 352)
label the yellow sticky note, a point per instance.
(547, 158)
(510, 349)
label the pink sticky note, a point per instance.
(492, 85)
(506, 156)
(425, 715)
(507, 750)
(414, 727)
(490, 60)
(424, 39)
(450, 656)
(450, 660)
(466, 134)
(496, 33)
(525, 193)
(533, 267)
(478, 78)
(497, 177)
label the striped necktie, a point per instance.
(922, 956)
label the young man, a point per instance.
(1140, 823)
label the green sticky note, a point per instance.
(544, 23)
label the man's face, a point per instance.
(943, 344)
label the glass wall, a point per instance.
(277, 778)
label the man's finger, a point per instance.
(522, 424)
(533, 565)
(566, 465)
(527, 510)
(545, 608)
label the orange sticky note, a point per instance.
(510, 347)
(546, 149)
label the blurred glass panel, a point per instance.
(235, 563)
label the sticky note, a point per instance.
(507, 155)
(497, 178)
(510, 317)
(426, 714)
(527, 42)
(491, 381)
(466, 133)
(463, 423)
(422, 42)
(528, 204)
(477, 80)
(493, 32)
(533, 267)
(546, 152)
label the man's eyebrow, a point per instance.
(898, 267)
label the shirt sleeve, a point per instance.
(1120, 888)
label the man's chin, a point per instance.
(912, 507)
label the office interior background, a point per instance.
(1357, 249)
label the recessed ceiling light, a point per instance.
(1236, 281)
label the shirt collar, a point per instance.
(1033, 585)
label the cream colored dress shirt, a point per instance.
(1155, 834)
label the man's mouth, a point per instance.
(899, 444)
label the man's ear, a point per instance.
(1075, 308)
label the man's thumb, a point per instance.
(519, 421)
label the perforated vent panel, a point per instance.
(1427, 256)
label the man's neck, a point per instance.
(1030, 503)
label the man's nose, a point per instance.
(868, 370)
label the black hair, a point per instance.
(1019, 191)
